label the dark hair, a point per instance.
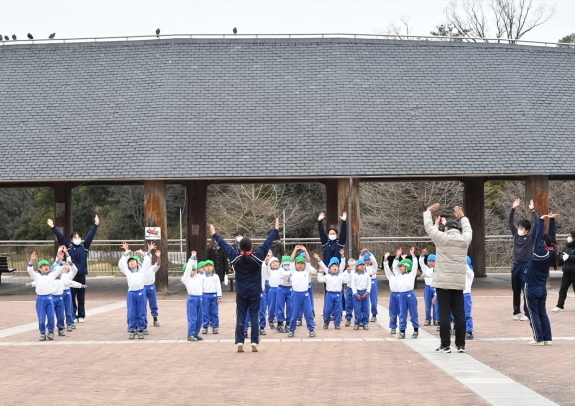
(239, 233)
(75, 233)
(526, 224)
(246, 244)
(334, 229)
(549, 243)
(572, 233)
(453, 224)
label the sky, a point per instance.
(87, 19)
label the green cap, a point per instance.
(194, 266)
(208, 262)
(134, 257)
(286, 258)
(42, 263)
(299, 259)
(407, 263)
(201, 264)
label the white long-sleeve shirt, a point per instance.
(469, 275)
(360, 281)
(44, 283)
(372, 269)
(299, 279)
(151, 271)
(426, 270)
(212, 284)
(194, 284)
(405, 281)
(136, 279)
(333, 282)
(61, 284)
(274, 275)
(285, 277)
(390, 276)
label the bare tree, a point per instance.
(512, 19)
(397, 30)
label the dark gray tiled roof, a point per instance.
(249, 108)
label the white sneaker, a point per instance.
(254, 347)
(81, 320)
(516, 316)
(536, 343)
(524, 318)
(240, 347)
(548, 342)
(557, 309)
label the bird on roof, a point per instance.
(52, 35)
(14, 37)
(158, 33)
(235, 30)
(30, 36)
(6, 38)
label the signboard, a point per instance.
(195, 229)
(153, 233)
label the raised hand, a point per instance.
(343, 216)
(60, 249)
(434, 207)
(33, 257)
(151, 246)
(412, 251)
(50, 223)
(531, 205)
(342, 252)
(96, 220)
(140, 253)
(398, 252)
(321, 216)
(277, 224)
(458, 211)
(437, 220)
(443, 220)
(316, 256)
(268, 256)
(424, 251)
(125, 246)
(516, 203)
(194, 254)
(158, 254)
(212, 229)
(364, 251)
(386, 255)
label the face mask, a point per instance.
(520, 233)
(286, 267)
(238, 239)
(569, 239)
(332, 237)
(76, 241)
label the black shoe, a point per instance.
(199, 337)
(469, 335)
(245, 333)
(461, 349)
(443, 349)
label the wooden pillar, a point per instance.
(63, 208)
(537, 188)
(197, 217)
(348, 200)
(156, 216)
(474, 202)
(332, 212)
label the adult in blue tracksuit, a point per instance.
(248, 270)
(78, 251)
(333, 241)
(523, 240)
(535, 277)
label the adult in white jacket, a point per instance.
(449, 273)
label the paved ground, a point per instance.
(97, 364)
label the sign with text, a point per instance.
(195, 229)
(153, 233)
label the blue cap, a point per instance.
(431, 257)
(367, 257)
(301, 254)
(332, 261)
(360, 262)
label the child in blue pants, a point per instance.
(467, 303)
(300, 268)
(347, 292)
(273, 270)
(371, 269)
(360, 287)
(194, 285)
(334, 281)
(310, 291)
(283, 297)
(212, 297)
(393, 296)
(429, 292)
(150, 288)
(405, 273)
(44, 280)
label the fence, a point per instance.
(104, 254)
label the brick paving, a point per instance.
(369, 367)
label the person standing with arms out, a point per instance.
(78, 251)
(248, 269)
(449, 273)
(523, 240)
(568, 278)
(332, 242)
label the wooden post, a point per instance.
(348, 200)
(332, 212)
(156, 216)
(474, 202)
(63, 208)
(537, 188)
(197, 217)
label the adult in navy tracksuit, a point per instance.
(333, 241)
(535, 279)
(248, 270)
(79, 251)
(523, 239)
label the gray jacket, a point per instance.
(451, 247)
